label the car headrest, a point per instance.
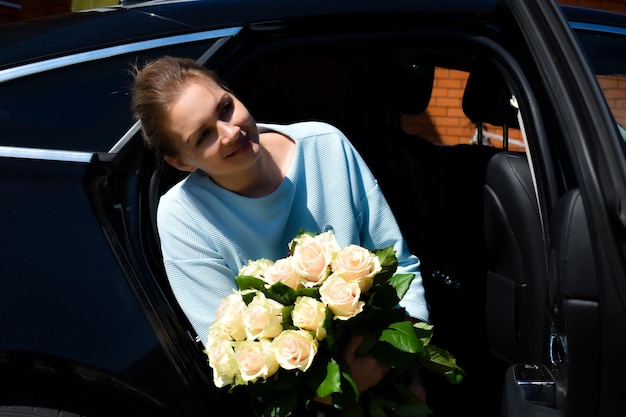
(408, 83)
(487, 98)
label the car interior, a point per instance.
(469, 211)
(435, 190)
(490, 145)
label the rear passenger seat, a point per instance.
(436, 194)
(435, 191)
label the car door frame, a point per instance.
(598, 162)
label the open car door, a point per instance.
(580, 180)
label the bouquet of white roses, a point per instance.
(282, 334)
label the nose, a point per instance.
(227, 132)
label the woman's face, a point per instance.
(212, 130)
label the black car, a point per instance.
(520, 226)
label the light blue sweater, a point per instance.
(208, 233)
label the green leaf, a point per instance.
(424, 331)
(383, 296)
(378, 405)
(282, 409)
(313, 292)
(387, 257)
(402, 336)
(412, 409)
(390, 356)
(332, 381)
(398, 346)
(349, 395)
(401, 282)
(443, 363)
(279, 291)
(369, 340)
(287, 320)
(356, 411)
(373, 320)
(388, 263)
(282, 383)
(412, 406)
(333, 333)
(245, 282)
(397, 400)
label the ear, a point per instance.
(179, 164)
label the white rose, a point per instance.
(295, 349)
(342, 297)
(229, 314)
(256, 268)
(221, 354)
(355, 263)
(309, 314)
(283, 271)
(263, 318)
(255, 359)
(312, 257)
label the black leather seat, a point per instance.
(573, 295)
(440, 211)
(516, 291)
(516, 286)
(403, 160)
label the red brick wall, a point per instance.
(444, 121)
(614, 88)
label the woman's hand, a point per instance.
(416, 386)
(368, 372)
(365, 370)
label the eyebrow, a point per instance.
(191, 137)
(225, 99)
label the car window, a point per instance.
(288, 76)
(444, 121)
(603, 49)
(84, 107)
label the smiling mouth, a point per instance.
(243, 145)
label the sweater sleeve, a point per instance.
(196, 270)
(380, 229)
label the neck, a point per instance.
(260, 179)
(265, 177)
(267, 173)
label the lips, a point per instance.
(242, 145)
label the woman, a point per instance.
(252, 187)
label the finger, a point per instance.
(416, 386)
(350, 349)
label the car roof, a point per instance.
(37, 39)
(54, 36)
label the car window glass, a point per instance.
(322, 76)
(602, 50)
(445, 123)
(83, 107)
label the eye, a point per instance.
(204, 135)
(227, 109)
